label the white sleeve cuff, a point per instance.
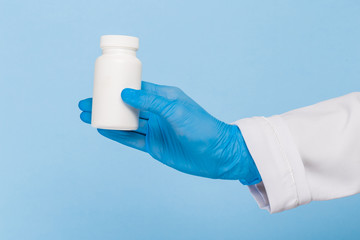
(259, 193)
(276, 156)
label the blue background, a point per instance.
(59, 179)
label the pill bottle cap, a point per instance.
(119, 41)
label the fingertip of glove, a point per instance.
(128, 93)
(85, 117)
(80, 104)
(85, 104)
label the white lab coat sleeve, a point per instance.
(310, 153)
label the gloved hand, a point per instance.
(175, 130)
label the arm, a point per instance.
(311, 153)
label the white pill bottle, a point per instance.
(117, 68)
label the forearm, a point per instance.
(311, 153)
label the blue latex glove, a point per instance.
(175, 130)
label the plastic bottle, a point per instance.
(117, 68)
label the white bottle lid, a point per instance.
(119, 41)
